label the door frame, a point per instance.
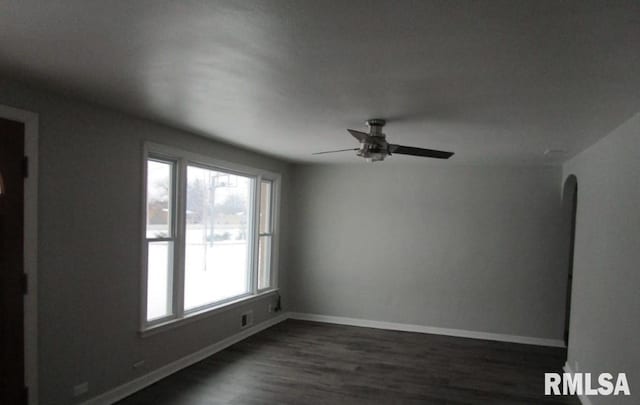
(30, 120)
(570, 190)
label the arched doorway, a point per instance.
(569, 208)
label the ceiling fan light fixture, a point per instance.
(375, 157)
(375, 148)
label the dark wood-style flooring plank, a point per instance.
(300, 362)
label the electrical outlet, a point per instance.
(80, 389)
(246, 319)
(270, 307)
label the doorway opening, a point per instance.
(569, 208)
(12, 274)
(26, 123)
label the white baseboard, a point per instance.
(405, 327)
(139, 383)
(584, 400)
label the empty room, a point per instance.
(320, 202)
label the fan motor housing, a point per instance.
(375, 148)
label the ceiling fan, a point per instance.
(374, 146)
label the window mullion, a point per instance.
(255, 235)
(180, 243)
(169, 239)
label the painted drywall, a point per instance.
(605, 309)
(440, 245)
(90, 182)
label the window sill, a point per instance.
(204, 313)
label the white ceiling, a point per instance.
(493, 81)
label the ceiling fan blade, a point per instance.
(410, 150)
(360, 136)
(334, 151)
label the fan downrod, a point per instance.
(376, 122)
(375, 125)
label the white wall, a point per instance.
(605, 310)
(90, 181)
(474, 248)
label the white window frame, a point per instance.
(273, 202)
(173, 236)
(182, 159)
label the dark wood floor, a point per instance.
(299, 362)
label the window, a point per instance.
(160, 237)
(209, 234)
(265, 235)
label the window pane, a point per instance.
(265, 207)
(159, 196)
(217, 246)
(264, 262)
(159, 279)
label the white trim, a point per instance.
(254, 231)
(142, 322)
(405, 327)
(204, 313)
(133, 386)
(584, 400)
(30, 121)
